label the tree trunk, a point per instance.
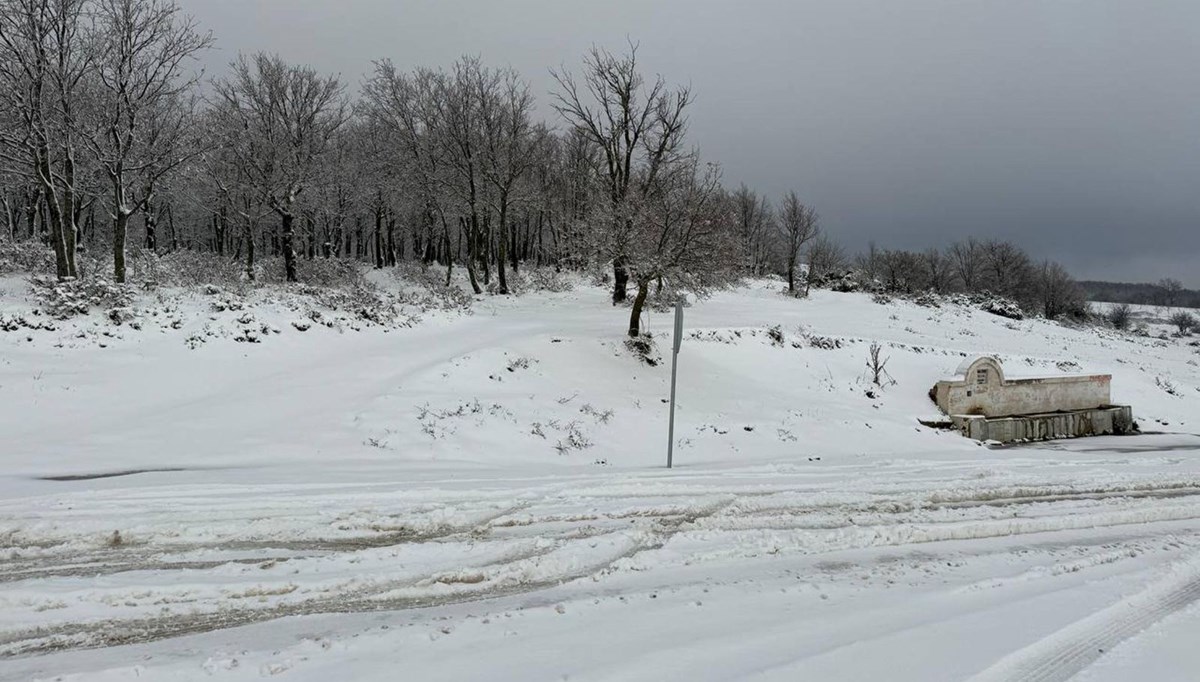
(620, 280)
(34, 199)
(67, 221)
(471, 249)
(378, 238)
(391, 242)
(44, 219)
(449, 258)
(171, 228)
(10, 218)
(52, 224)
(89, 226)
(250, 251)
(151, 228)
(635, 314)
(288, 246)
(54, 236)
(502, 255)
(219, 228)
(483, 244)
(120, 228)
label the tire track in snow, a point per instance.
(109, 633)
(660, 528)
(139, 557)
(1073, 648)
(650, 535)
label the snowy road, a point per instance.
(877, 559)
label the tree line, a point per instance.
(978, 266)
(1165, 292)
(111, 140)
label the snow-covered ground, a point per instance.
(483, 497)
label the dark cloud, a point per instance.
(1068, 126)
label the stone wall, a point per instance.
(1099, 422)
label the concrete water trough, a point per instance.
(984, 404)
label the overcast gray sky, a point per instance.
(1069, 126)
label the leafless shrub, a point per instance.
(877, 366)
(1119, 316)
(519, 363)
(574, 440)
(601, 416)
(1166, 385)
(1184, 321)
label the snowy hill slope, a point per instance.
(543, 380)
(489, 488)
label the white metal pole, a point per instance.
(674, 373)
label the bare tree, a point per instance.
(640, 130)
(510, 139)
(44, 59)
(403, 106)
(141, 121)
(902, 271)
(1169, 290)
(221, 187)
(797, 226)
(938, 270)
(280, 120)
(1056, 291)
(456, 132)
(824, 257)
(967, 261)
(1008, 269)
(683, 233)
(868, 263)
(756, 224)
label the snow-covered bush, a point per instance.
(435, 295)
(928, 299)
(775, 334)
(184, 269)
(362, 301)
(29, 256)
(325, 272)
(645, 349)
(998, 305)
(821, 342)
(844, 281)
(546, 279)
(73, 297)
